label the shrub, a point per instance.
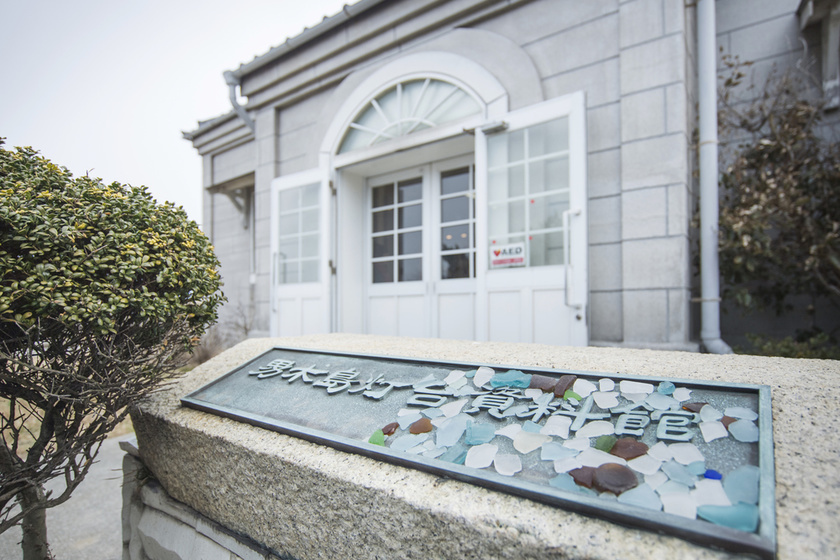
(103, 293)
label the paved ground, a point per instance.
(87, 526)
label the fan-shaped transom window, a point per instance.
(406, 108)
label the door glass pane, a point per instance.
(548, 138)
(507, 218)
(455, 266)
(309, 220)
(546, 249)
(383, 246)
(547, 211)
(411, 243)
(455, 237)
(383, 196)
(309, 246)
(383, 221)
(411, 270)
(288, 273)
(410, 190)
(549, 175)
(289, 200)
(310, 195)
(455, 181)
(309, 271)
(288, 248)
(383, 272)
(411, 216)
(454, 209)
(289, 224)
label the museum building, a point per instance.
(490, 170)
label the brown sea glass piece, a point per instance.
(583, 476)
(421, 426)
(726, 420)
(543, 383)
(614, 478)
(390, 428)
(564, 384)
(629, 448)
(694, 406)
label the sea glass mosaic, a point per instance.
(691, 459)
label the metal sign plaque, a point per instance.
(691, 459)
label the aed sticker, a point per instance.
(502, 256)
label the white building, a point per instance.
(504, 170)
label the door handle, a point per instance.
(567, 258)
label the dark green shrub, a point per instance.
(102, 294)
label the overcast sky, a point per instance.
(107, 86)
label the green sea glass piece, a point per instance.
(743, 517)
(605, 443)
(378, 438)
(572, 395)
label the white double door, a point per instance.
(421, 251)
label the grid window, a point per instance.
(457, 224)
(299, 235)
(397, 231)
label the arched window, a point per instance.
(406, 108)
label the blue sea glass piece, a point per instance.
(531, 426)
(480, 433)
(642, 496)
(741, 485)
(470, 374)
(564, 482)
(678, 473)
(666, 388)
(713, 475)
(697, 468)
(553, 451)
(456, 454)
(512, 378)
(743, 517)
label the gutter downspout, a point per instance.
(709, 267)
(233, 82)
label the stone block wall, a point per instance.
(157, 527)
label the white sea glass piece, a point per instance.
(434, 453)
(660, 451)
(685, 453)
(408, 441)
(566, 465)
(557, 425)
(482, 376)
(641, 496)
(606, 384)
(606, 400)
(635, 397)
(440, 421)
(644, 464)
(509, 431)
(596, 428)
(454, 376)
(657, 479)
(431, 412)
(709, 492)
(481, 456)
(661, 402)
(595, 458)
(463, 391)
(450, 432)
(406, 411)
(679, 504)
(578, 443)
(681, 394)
(408, 420)
(507, 464)
(584, 387)
(453, 408)
(457, 384)
(744, 430)
(741, 413)
(672, 487)
(709, 413)
(525, 442)
(553, 451)
(533, 394)
(514, 410)
(713, 430)
(635, 387)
